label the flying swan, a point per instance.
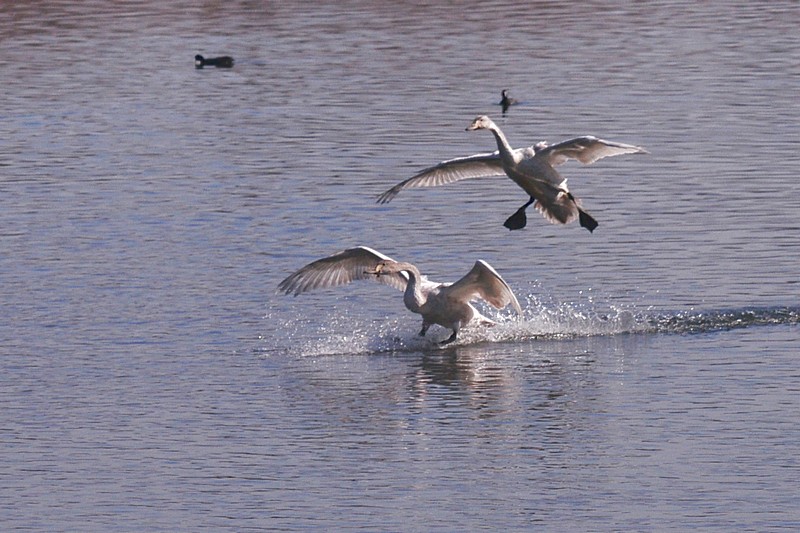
(446, 304)
(531, 168)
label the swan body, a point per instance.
(532, 168)
(445, 304)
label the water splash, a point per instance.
(343, 334)
(348, 334)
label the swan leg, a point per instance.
(424, 329)
(586, 220)
(519, 219)
(451, 338)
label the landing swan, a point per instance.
(446, 304)
(531, 168)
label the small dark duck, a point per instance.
(506, 101)
(219, 62)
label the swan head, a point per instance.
(384, 267)
(481, 123)
(389, 266)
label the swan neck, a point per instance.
(413, 297)
(502, 142)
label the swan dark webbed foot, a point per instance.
(424, 330)
(587, 221)
(519, 219)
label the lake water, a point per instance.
(152, 378)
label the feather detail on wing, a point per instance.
(474, 166)
(339, 269)
(586, 149)
(483, 281)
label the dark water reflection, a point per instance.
(152, 380)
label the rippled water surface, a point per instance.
(152, 378)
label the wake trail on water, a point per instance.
(353, 335)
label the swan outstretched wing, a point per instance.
(339, 269)
(483, 281)
(473, 166)
(586, 149)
